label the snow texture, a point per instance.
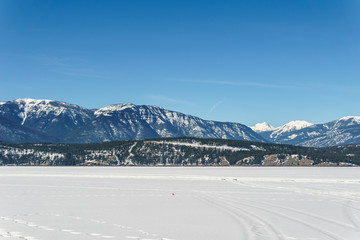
(199, 145)
(176, 203)
(352, 118)
(262, 127)
(292, 126)
(106, 111)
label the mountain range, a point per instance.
(31, 120)
(343, 131)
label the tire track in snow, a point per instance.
(294, 189)
(347, 209)
(239, 218)
(336, 223)
(260, 227)
(324, 232)
(275, 232)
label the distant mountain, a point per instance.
(262, 127)
(52, 118)
(344, 131)
(129, 121)
(13, 132)
(31, 120)
(66, 122)
(281, 134)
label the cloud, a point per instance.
(47, 60)
(80, 73)
(66, 66)
(215, 106)
(232, 83)
(168, 99)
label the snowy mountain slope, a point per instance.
(50, 117)
(346, 130)
(13, 132)
(30, 120)
(286, 131)
(292, 126)
(262, 127)
(129, 121)
(343, 131)
(281, 133)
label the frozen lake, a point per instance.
(179, 203)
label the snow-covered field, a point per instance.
(209, 203)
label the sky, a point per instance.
(233, 61)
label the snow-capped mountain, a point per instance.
(30, 120)
(346, 130)
(343, 131)
(286, 131)
(54, 118)
(71, 123)
(262, 127)
(129, 121)
(282, 133)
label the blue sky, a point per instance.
(237, 61)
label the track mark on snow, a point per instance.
(328, 234)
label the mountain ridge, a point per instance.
(73, 124)
(43, 120)
(343, 131)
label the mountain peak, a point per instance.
(54, 118)
(347, 121)
(353, 118)
(262, 127)
(32, 101)
(114, 107)
(290, 127)
(296, 125)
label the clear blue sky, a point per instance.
(238, 61)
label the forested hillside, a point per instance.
(177, 151)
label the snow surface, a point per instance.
(199, 145)
(354, 120)
(350, 117)
(290, 127)
(294, 125)
(179, 203)
(39, 108)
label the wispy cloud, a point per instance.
(233, 83)
(215, 106)
(47, 60)
(80, 73)
(67, 66)
(166, 99)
